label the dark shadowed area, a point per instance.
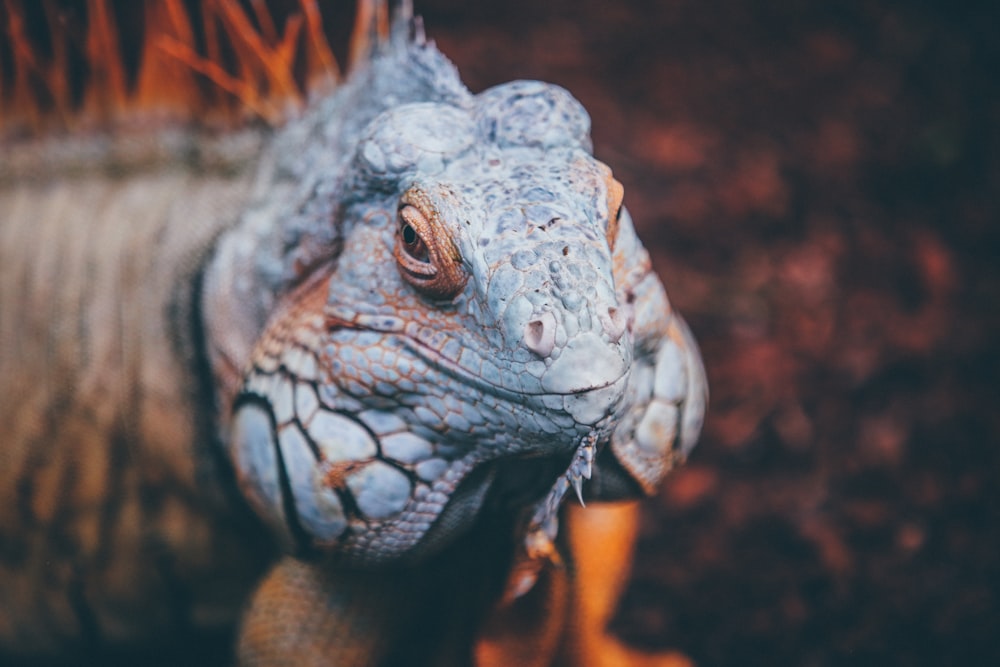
(818, 185)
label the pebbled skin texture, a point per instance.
(455, 284)
(400, 328)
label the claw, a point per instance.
(582, 467)
(577, 483)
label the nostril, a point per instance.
(540, 335)
(616, 324)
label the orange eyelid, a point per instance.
(441, 275)
(616, 193)
(412, 217)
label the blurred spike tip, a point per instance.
(223, 62)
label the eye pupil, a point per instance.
(409, 235)
(413, 245)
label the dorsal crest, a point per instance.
(92, 63)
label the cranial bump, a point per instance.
(414, 138)
(534, 114)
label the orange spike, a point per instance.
(322, 70)
(246, 55)
(179, 20)
(264, 20)
(106, 94)
(25, 103)
(50, 76)
(58, 71)
(285, 49)
(371, 27)
(251, 48)
(212, 47)
(165, 85)
(220, 77)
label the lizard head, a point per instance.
(479, 312)
(500, 225)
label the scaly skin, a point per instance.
(410, 322)
(472, 292)
(482, 332)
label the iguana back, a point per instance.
(114, 515)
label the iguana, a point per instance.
(340, 373)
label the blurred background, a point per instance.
(818, 184)
(819, 187)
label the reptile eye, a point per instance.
(616, 193)
(427, 257)
(412, 243)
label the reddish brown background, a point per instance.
(818, 185)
